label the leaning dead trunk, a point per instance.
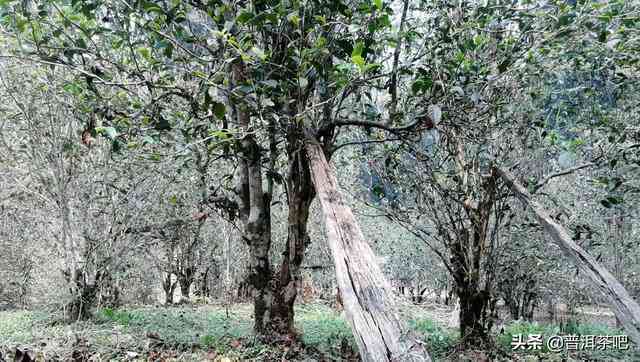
(625, 308)
(366, 294)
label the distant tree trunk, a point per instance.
(185, 287)
(169, 287)
(185, 278)
(84, 295)
(368, 298)
(626, 309)
(108, 291)
(300, 195)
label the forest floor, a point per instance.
(215, 333)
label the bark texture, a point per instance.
(169, 286)
(84, 295)
(255, 209)
(626, 309)
(300, 194)
(366, 294)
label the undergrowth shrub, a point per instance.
(323, 328)
(439, 340)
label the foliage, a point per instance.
(323, 328)
(440, 341)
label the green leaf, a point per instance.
(244, 17)
(565, 20)
(173, 200)
(220, 134)
(199, 74)
(422, 84)
(111, 132)
(148, 140)
(294, 19)
(162, 124)
(168, 50)
(602, 37)
(378, 4)
(151, 7)
(145, 52)
(357, 49)
(73, 88)
(259, 53)
(615, 200)
(116, 146)
(108, 132)
(21, 23)
(358, 60)
(219, 110)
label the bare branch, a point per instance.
(568, 171)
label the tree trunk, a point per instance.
(473, 313)
(186, 278)
(625, 308)
(473, 298)
(169, 286)
(368, 299)
(185, 287)
(255, 206)
(300, 195)
(84, 295)
(108, 292)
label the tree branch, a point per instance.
(398, 131)
(393, 86)
(541, 184)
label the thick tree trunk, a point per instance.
(626, 309)
(368, 299)
(255, 206)
(473, 299)
(473, 316)
(300, 195)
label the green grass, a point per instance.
(323, 328)
(114, 332)
(17, 327)
(439, 340)
(182, 328)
